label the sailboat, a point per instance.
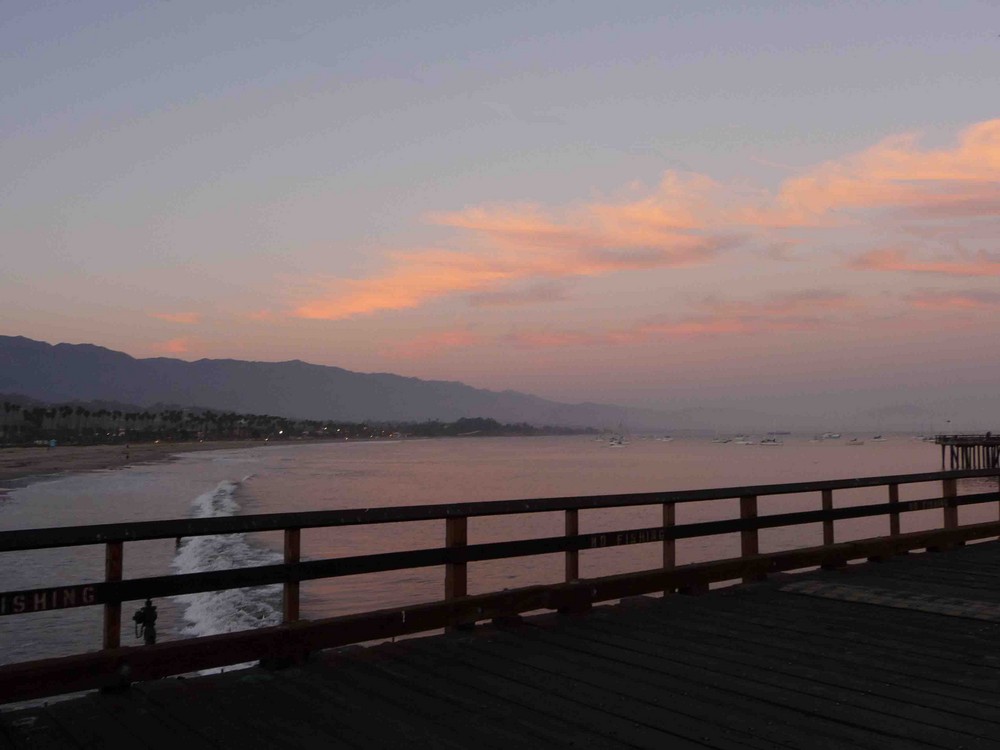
(619, 439)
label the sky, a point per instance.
(790, 207)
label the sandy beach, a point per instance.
(18, 465)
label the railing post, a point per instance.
(749, 546)
(894, 515)
(290, 592)
(113, 554)
(572, 555)
(669, 545)
(456, 534)
(828, 535)
(827, 522)
(949, 491)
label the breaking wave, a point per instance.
(215, 612)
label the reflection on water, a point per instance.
(345, 475)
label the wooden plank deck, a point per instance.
(898, 654)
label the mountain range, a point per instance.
(65, 373)
(85, 372)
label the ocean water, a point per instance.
(283, 478)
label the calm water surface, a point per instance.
(349, 475)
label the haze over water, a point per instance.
(393, 473)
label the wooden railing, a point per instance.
(114, 665)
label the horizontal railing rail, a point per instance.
(192, 583)
(116, 665)
(70, 536)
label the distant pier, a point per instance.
(969, 451)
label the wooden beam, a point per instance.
(669, 543)
(894, 514)
(70, 536)
(749, 541)
(290, 590)
(113, 560)
(827, 501)
(456, 573)
(949, 491)
(572, 527)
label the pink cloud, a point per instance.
(186, 318)
(435, 343)
(975, 300)
(961, 264)
(788, 303)
(808, 310)
(530, 295)
(172, 346)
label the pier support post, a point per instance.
(113, 555)
(290, 593)
(669, 545)
(572, 555)
(456, 585)
(749, 542)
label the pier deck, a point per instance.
(898, 654)
(969, 451)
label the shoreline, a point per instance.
(24, 465)
(21, 466)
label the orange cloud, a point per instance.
(187, 318)
(419, 278)
(496, 252)
(965, 264)
(503, 245)
(895, 173)
(510, 247)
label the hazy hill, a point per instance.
(84, 372)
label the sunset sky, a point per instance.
(781, 206)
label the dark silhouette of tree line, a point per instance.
(26, 424)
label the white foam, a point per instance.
(215, 612)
